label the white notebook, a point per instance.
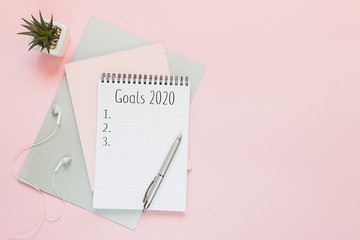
(139, 118)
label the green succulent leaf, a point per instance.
(29, 34)
(33, 44)
(36, 22)
(51, 22)
(45, 42)
(42, 22)
(27, 22)
(30, 28)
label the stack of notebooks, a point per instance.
(119, 126)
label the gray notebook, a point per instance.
(99, 39)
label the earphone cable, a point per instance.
(61, 196)
(30, 146)
(29, 183)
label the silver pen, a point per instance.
(154, 185)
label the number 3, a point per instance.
(105, 141)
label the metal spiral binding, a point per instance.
(144, 79)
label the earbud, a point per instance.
(65, 161)
(57, 111)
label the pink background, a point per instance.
(274, 126)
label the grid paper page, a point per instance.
(136, 127)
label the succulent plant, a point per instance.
(45, 34)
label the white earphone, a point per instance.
(65, 161)
(57, 111)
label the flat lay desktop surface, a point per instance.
(274, 124)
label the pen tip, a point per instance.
(180, 136)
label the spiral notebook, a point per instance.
(139, 117)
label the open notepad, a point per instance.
(139, 117)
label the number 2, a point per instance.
(106, 126)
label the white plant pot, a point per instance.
(62, 43)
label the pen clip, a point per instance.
(145, 196)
